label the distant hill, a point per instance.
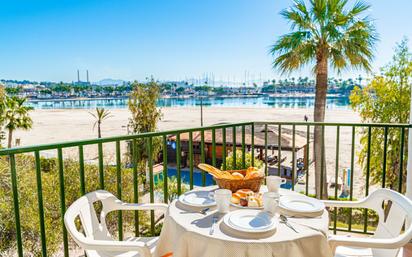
(110, 82)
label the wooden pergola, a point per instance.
(274, 141)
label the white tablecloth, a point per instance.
(185, 233)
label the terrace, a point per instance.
(41, 189)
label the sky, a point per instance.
(49, 40)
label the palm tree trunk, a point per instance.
(10, 139)
(319, 116)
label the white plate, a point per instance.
(301, 204)
(198, 199)
(250, 221)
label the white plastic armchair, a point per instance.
(387, 238)
(96, 240)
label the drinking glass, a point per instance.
(222, 198)
(273, 183)
(270, 202)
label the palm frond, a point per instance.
(358, 9)
(16, 114)
(319, 11)
(330, 28)
(100, 115)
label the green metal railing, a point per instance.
(303, 129)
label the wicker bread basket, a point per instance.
(236, 184)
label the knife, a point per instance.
(212, 227)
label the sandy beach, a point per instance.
(60, 125)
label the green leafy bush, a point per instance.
(239, 163)
(172, 192)
(29, 208)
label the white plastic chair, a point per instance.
(96, 240)
(387, 239)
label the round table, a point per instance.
(185, 233)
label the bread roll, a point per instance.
(235, 198)
(244, 192)
(237, 175)
(253, 174)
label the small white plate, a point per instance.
(301, 204)
(250, 221)
(246, 207)
(198, 199)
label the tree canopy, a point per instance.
(386, 99)
(326, 29)
(145, 115)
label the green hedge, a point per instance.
(27, 189)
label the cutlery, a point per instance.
(203, 211)
(212, 227)
(315, 229)
(284, 220)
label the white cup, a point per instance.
(273, 183)
(222, 198)
(270, 202)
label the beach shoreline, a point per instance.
(184, 96)
(60, 125)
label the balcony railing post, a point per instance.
(293, 157)
(151, 182)
(119, 188)
(279, 149)
(352, 166)
(165, 171)
(266, 149)
(40, 203)
(101, 166)
(307, 159)
(178, 165)
(385, 148)
(243, 147)
(213, 147)
(202, 155)
(234, 147)
(335, 211)
(81, 171)
(191, 166)
(322, 159)
(224, 150)
(400, 176)
(14, 186)
(252, 143)
(62, 200)
(135, 159)
(368, 167)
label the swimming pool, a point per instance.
(197, 177)
(185, 175)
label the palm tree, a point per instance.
(16, 116)
(325, 33)
(100, 115)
